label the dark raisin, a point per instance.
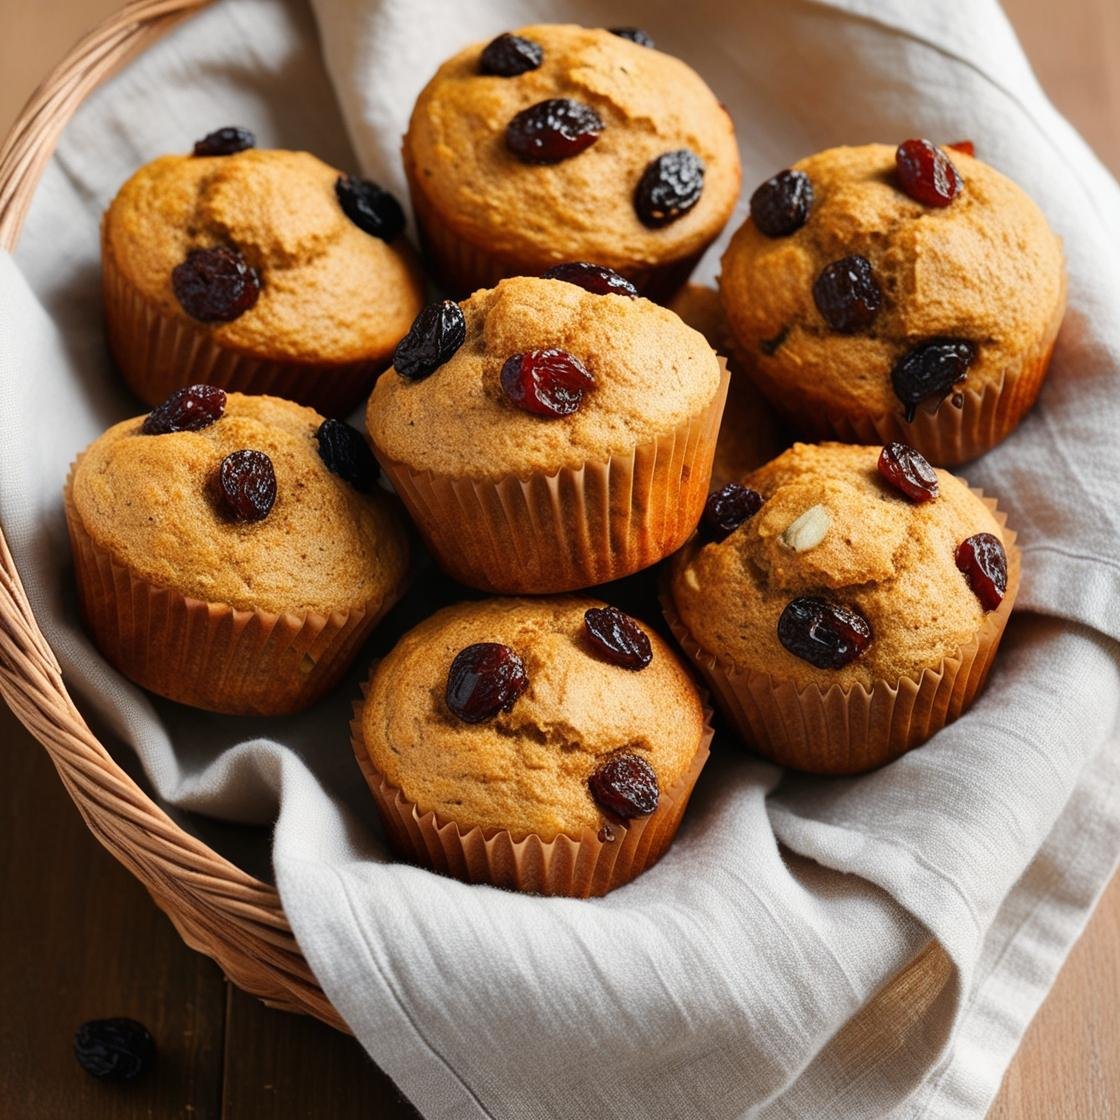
(634, 34)
(595, 278)
(965, 146)
(930, 369)
(670, 186)
(984, 563)
(484, 679)
(370, 207)
(225, 142)
(434, 337)
(926, 174)
(215, 285)
(546, 382)
(782, 204)
(847, 295)
(909, 472)
(553, 130)
(509, 55)
(114, 1049)
(770, 346)
(247, 484)
(727, 508)
(825, 634)
(625, 785)
(347, 455)
(187, 410)
(618, 637)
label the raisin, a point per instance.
(187, 410)
(509, 55)
(909, 472)
(825, 634)
(484, 679)
(618, 637)
(727, 508)
(434, 337)
(926, 174)
(553, 130)
(347, 455)
(781, 205)
(247, 484)
(670, 186)
(930, 369)
(965, 146)
(984, 563)
(225, 142)
(625, 785)
(114, 1049)
(595, 278)
(634, 34)
(370, 207)
(215, 285)
(546, 382)
(847, 295)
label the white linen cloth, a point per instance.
(746, 974)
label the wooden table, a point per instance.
(80, 938)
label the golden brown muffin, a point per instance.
(984, 272)
(193, 601)
(485, 213)
(534, 767)
(333, 299)
(513, 500)
(833, 531)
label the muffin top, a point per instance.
(873, 551)
(583, 206)
(329, 291)
(154, 503)
(651, 374)
(526, 769)
(984, 270)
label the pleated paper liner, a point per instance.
(585, 865)
(577, 528)
(849, 730)
(210, 655)
(158, 353)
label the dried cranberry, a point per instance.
(247, 484)
(553, 130)
(186, 410)
(909, 472)
(984, 563)
(965, 146)
(484, 679)
(670, 186)
(114, 1049)
(215, 285)
(546, 382)
(847, 295)
(595, 278)
(618, 637)
(930, 369)
(781, 205)
(370, 207)
(347, 455)
(825, 634)
(925, 173)
(625, 785)
(225, 142)
(509, 55)
(434, 337)
(727, 508)
(634, 34)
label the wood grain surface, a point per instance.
(79, 938)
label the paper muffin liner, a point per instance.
(158, 353)
(574, 529)
(584, 865)
(210, 655)
(849, 730)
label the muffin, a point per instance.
(260, 271)
(844, 603)
(546, 745)
(562, 143)
(548, 438)
(879, 295)
(231, 552)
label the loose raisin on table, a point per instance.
(186, 410)
(670, 186)
(114, 1049)
(618, 637)
(909, 472)
(225, 142)
(370, 207)
(781, 205)
(247, 484)
(595, 278)
(347, 455)
(930, 369)
(484, 679)
(553, 130)
(926, 174)
(827, 635)
(727, 508)
(847, 294)
(215, 285)
(625, 785)
(549, 383)
(509, 55)
(634, 34)
(984, 563)
(434, 337)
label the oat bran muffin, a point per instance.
(548, 745)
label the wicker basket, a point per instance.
(216, 907)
